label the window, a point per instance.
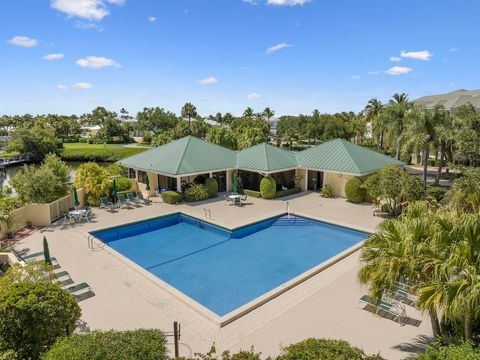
(142, 175)
(132, 173)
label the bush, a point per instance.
(268, 187)
(313, 349)
(354, 191)
(212, 355)
(171, 197)
(106, 154)
(452, 352)
(117, 170)
(252, 193)
(436, 192)
(111, 345)
(287, 192)
(196, 193)
(212, 187)
(327, 191)
(33, 316)
(123, 184)
(95, 180)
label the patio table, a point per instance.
(77, 214)
(236, 198)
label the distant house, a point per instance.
(192, 160)
(89, 131)
(450, 101)
(273, 122)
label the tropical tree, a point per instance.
(396, 113)
(268, 113)
(374, 114)
(248, 113)
(156, 120)
(189, 111)
(95, 180)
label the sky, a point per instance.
(70, 56)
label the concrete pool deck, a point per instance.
(325, 305)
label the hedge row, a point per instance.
(172, 197)
(252, 193)
(287, 192)
(108, 154)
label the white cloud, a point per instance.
(53, 57)
(208, 81)
(424, 55)
(152, 18)
(453, 49)
(395, 58)
(24, 41)
(85, 9)
(398, 70)
(62, 87)
(355, 77)
(82, 85)
(374, 72)
(277, 47)
(287, 2)
(252, 2)
(253, 96)
(96, 62)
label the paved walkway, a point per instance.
(324, 306)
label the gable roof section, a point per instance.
(451, 100)
(343, 156)
(265, 157)
(183, 156)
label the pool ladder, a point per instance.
(91, 243)
(207, 213)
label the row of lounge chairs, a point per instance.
(132, 199)
(80, 291)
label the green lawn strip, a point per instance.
(101, 154)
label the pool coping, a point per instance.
(228, 318)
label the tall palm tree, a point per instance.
(248, 113)
(396, 113)
(374, 114)
(445, 136)
(268, 113)
(189, 111)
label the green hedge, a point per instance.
(171, 197)
(111, 345)
(108, 154)
(268, 187)
(123, 184)
(196, 193)
(252, 193)
(354, 191)
(287, 192)
(212, 187)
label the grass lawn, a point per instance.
(98, 146)
(98, 152)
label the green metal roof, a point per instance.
(183, 156)
(265, 158)
(191, 155)
(343, 156)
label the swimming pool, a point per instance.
(223, 270)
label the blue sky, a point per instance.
(225, 55)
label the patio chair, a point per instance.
(244, 197)
(106, 204)
(68, 218)
(394, 308)
(142, 198)
(87, 215)
(134, 200)
(123, 202)
(228, 200)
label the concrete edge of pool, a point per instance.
(228, 318)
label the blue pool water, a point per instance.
(223, 270)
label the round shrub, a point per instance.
(354, 191)
(313, 349)
(111, 345)
(172, 197)
(123, 184)
(196, 193)
(33, 315)
(268, 187)
(327, 191)
(464, 351)
(212, 187)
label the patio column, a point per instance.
(210, 175)
(179, 184)
(229, 180)
(305, 184)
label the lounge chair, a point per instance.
(106, 204)
(131, 197)
(60, 278)
(394, 308)
(76, 288)
(34, 255)
(123, 202)
(142, 198)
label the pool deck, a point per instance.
(325, 305)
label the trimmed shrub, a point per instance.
(313, 349)
(196, 193)
(268, 187)
(172, 197)
(111, 345)
(354, 191)
(287, 192)
(33, 315)
(252, 193)
(106, 154)
(463, 351)
(327, 191)
(212, 187)
(123, 184)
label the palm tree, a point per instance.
(373, 113)
(445, 136)
(268, 113)
(189, 111)
(396, 113)
(248, 113)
